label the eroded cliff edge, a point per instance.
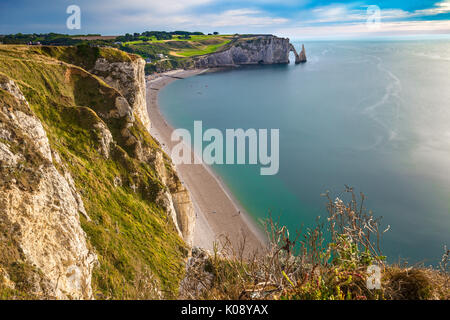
(251, 50)
(90, 206)
(39, 208)
(128, 77)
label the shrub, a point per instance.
(327, 262)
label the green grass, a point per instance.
(178, 47)
(179, 51)
(136, 242)
(206, 50)
(179, 38)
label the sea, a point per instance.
(372, 115)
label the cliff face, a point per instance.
(39, 207)
(128, 78)
(176, 199)
(250, 51)
(89, 202)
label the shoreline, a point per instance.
(218, 212)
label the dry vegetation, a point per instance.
(328, 262)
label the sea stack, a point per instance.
(302, 55)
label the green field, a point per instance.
(149, 40)
(178, 46)
(204, 50)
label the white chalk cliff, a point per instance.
(45, 252)
(251, 50)
(129, 79)
(41, 206)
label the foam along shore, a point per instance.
(218, 214)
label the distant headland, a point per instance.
(165, 51)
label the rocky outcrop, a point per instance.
(197, 268)
(40, 205)
(302, 55)
(105, 139)
(297, 58)
(264, 49)
(177, 200)
(127, 77)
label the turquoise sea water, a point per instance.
(372, 115)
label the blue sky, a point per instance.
(292, 18)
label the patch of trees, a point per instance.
(146, 51)
(187, 33)
(159, 35)
(55, 39)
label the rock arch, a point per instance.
(299, 58)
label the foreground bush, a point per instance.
(336, 260)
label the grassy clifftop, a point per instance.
(139, 251)
(177, 52)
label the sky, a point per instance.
(297, 19)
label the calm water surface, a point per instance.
(372, 115)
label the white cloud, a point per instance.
(193, 14)
(332, 13)
(439, 8)
(355, 12)
(348, 13)
(145, 6)
(175, 14)
(350, 21)
(242, 17)
(361, 29)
